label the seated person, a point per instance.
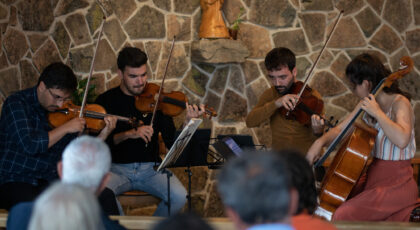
(66, 206)
(256, 191)
(86, 162)
(185, 221)
(303, 181)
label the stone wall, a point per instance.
(34, 33)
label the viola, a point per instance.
(171, 104)
(307, 105)
(93, 113)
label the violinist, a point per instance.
(29, 147)
(387, 191)
(286, 133)
(135, 150)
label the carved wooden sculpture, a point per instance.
(212, 23)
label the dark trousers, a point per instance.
(15, 192)
(108, 202)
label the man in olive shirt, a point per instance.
(286, 133)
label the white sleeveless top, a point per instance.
(384, 149)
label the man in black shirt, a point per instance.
(135, 150)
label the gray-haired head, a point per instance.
(66, 207)
(256, 186)
(86, 161)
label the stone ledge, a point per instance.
(218, 51)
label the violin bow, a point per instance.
(82, 107)
(163, 80)
(305, 83)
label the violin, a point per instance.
(171, 104)
(93, 113)
(307, 105)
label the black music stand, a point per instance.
(244, 141)
(194, 154)
(228, 146)
(177, 148)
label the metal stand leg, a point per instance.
(168, 202)
(189, 172)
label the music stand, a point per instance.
(176, 150)
(194, 154)
(180, 143)
(228, 146)
(244, 141)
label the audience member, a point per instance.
(66, 207)
(86, 162)
(303, 181)
(256, 191)
(185, 221)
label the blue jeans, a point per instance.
(142, 176)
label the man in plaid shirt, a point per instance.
(29, 147)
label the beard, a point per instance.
(283, 90)
(136, 90)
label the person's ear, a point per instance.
(42, 85)
(120, 73)
(60, 169)
(367, 85)
(294, 72)
(294, 202)
(235, 218)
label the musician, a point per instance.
(281, 66)
(135, 150)
(29, 147)
(388, 191)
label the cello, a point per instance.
(352, 156)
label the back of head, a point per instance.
(366, 67)
(60, 76)
(370, 68)
(278, 58)
(302, 179)
(256, 186)
(185, 221)
(86, 160)
(66, 207)
(131, 57)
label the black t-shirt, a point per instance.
(134, 150)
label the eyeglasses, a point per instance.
(57, 97)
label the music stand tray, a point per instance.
(180, 143)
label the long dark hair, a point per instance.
(370, 68)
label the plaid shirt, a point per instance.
(24, 153)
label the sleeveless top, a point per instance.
(385, 150)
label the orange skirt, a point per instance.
(387, 192)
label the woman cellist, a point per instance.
(387, 192)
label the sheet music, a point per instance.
(180, 143)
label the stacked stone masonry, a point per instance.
(36, 33)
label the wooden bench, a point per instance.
(221, 223)
(147, 222)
